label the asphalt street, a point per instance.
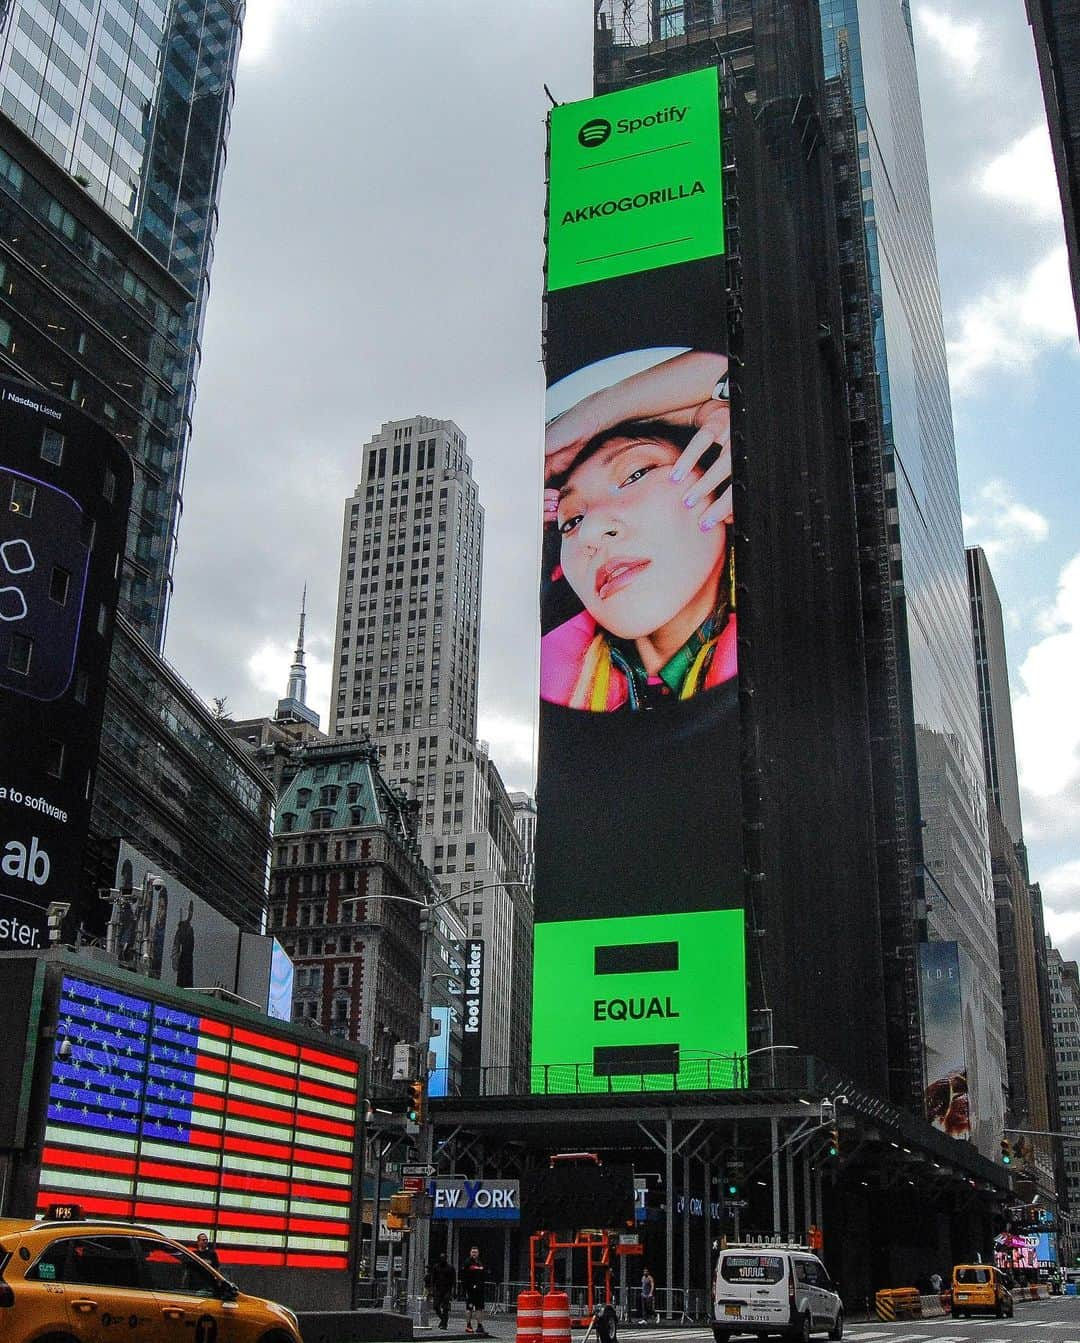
(1056, 1320)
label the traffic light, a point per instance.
(834, 1142)
(1006, 1152)
(731, 1189)
(415, 1111)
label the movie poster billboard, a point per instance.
(65, 491)
(639, 951)
(948, 1101)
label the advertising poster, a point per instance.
(65, 490)
(639, 949)
(948, 1102)
(472, 1010)
(439, 1053)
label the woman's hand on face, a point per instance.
(551, 506)
(713, 419)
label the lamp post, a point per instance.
(764, 1049)
(418, 1248)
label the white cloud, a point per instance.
(1002, 332)
(1061, 896)
(959, 44)
(1000, 523)
(512, 742)
(1046, 722)
(1023, 175)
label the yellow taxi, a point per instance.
(979, 1287)
(75, 1281)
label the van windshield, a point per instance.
(752, 1268)
(972, 1275)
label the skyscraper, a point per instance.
(1054, 26)
(871, 42)
(132, 101)
(406, 651)
(939, 886)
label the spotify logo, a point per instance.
(594, 133)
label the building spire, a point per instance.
(298, 672)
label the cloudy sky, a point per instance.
(379, 256)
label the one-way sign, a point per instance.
(429, 1171)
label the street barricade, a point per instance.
(530, 1317)
(898, 1303)
(556, 1309)
(934, 1306)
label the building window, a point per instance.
(52, 447)
(20, 651)
(22, 497)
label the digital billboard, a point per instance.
(192, 1123)
(639, 963)
(948, 1097)
(65, 490)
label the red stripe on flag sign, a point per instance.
(316, 1124)
(254, 1148)
(327, 1193)
(257, 1184)
(309, 1226)
(210, 1063)
(160, 1170)
(207, 1100)
(269, 1114)
(201, 1138)
(105, 1207)
(338, 1062)
(251, 1220)
(321, 1092)
(316, 1261)
(247, 1072)
(72, 1159)
(208, 1026)
(266, 1258)
(310, 1156)
(269, 1042)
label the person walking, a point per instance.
(443, 1279)
(648, 1296)
(473, 1278)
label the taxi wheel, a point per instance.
(275, 1338)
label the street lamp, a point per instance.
(764, 1049)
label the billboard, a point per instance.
(948, 1096)
(639, 963)
(472, 1009)
(65, 490)
(439, 1052)
(192, 1122)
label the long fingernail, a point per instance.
(707, 524)
(678, 473)
(691, 501)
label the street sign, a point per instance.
(629, 1238)
(736, 1203)
(413, 1183)
(425, 1170)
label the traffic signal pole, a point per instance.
(420, 1238)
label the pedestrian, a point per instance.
(936, 1283)
(206, 1251)
(648, 1296)
(443, 1279)
(473, 1278)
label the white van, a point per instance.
(774, 1289)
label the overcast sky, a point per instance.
(379, 256)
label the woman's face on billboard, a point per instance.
(632, 551)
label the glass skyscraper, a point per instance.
(871, 42)
(132, 100)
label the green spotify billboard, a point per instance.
(639, 970)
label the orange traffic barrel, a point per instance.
(556, 1318)
(530, 1317)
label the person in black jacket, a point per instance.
(443, 1279)
(473, 1277)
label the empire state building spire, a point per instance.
(294, 705)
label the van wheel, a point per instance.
(837, 1331)
(721, 1335)
(999, 1310)
(1012, 1310)
(802, 1329)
